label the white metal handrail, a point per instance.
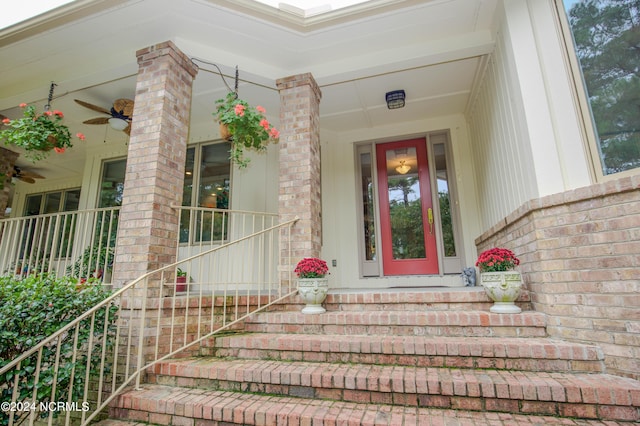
(154, 321)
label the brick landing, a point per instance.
(418, 358)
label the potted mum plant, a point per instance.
(38, 134)
(501, 283)
(312, 284)
(181, 280)
(246, 127)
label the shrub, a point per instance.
(32, 309)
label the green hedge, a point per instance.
(32, 309)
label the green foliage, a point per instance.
(607, 38)
(94, 258)
(407, 227)
(98, 256)
(448, 237)
(248, 127)
(34, 308)
(38, 133)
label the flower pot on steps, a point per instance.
(504, 288)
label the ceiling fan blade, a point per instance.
(92, 107)
(123, 106)
(28, 174)
(27, 179)
(97, 120)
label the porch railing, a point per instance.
(147, 321)
(78, 243)
(82, 243)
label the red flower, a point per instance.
(58, 150)
(23, 105)
(239, 110)
(274, 133)
(47, 113)
(311, 267)
(58, 113)
(6, 121)
(260, 109)
(497, 259)
(264, 123)
(81, 136)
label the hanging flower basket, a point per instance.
(37, 134)
(246, 127)
(225, 134)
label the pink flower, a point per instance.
(81, 136)
(264, 123)
(260, 109)
(239, 110)
(58, 113)
(274, 133)
(47, 113)
(23, 105)
(6, 121)
(58, 150)
(311, 267)
(50, 304)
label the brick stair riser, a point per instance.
(468, 300)
(424, 388)
(411, 307)
(397, 330)
(523, 364)
(205, 408)
(512, 354)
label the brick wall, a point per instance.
(580, 259)
(7, 160)
(299, 193)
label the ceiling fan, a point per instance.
(25, 176)
(119, 115)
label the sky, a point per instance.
(25, 9)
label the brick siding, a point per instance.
(300, 163)
(154, 178)
(580, 259)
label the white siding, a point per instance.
(504, 171)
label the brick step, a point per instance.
(533, 354)
(455, 299)
(394, 323)
(200, 407)
(581, 395)
(164, 405)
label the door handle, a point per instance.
(430, 217)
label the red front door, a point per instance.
(406, 210)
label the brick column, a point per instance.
(299, 193)
(7, 161)
(148, 226)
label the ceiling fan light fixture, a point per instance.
(118, 123)
(395, 99)
(403, 168)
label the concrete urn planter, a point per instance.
(504, 288)
(313, 291)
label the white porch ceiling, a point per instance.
(429, 48)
